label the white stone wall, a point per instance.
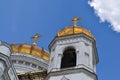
(5, 50)
(75, 76)
(26, 63)
(12, 74)
(84, 52)
(7, 71)
(2, 68)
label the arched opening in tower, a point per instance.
(69, 58)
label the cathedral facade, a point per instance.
(72, 56)
(7, 70)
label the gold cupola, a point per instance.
(31, 49)
(71, 30)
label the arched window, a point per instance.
(69, 58)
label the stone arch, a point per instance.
(68, 58)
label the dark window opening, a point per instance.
(69, 58)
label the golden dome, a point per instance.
(31, 50)
(74, 30)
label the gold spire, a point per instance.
(75, 21)
(35, 38)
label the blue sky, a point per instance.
(21, 19)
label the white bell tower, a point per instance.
(73, 55)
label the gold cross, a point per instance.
(75, 21)
(35, 38)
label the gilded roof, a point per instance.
(31, 50)
(74, 30)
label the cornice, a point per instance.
(72, 71)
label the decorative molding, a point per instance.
(34, 62)
(75, 37)
(6, 45)
(83, 66)
(64, 78)
(72, 71)
(5, 59)
(60, 54)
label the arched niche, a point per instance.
(68, 58)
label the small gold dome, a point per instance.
(31, 50)
(74, 30)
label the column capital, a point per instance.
(77, 51)
(60, 54)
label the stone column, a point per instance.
(1, 69)
(60, 55)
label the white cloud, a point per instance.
(108, 10)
